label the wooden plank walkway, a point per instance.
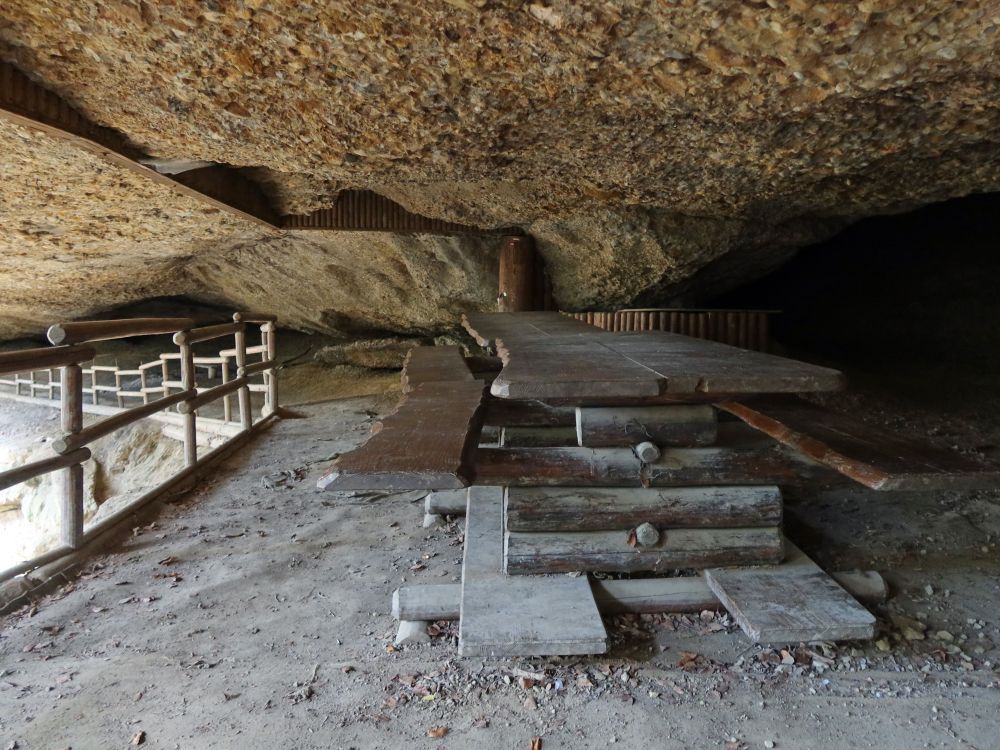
(429, 442)
(874, 457)
(501, 616)
(434, 364)
(790, 603)
(551, 356)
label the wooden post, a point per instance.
(246, 418)
(518, 276)
(270, 376)
(227, 408)
(188, 382)
(71, 400)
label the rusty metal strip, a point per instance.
(31, 105)
(365, 210)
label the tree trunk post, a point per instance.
(518, 288)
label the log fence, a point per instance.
(61, 366)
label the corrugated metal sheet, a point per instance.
(747, 329)
(364, 210)
(27, 103)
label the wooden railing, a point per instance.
(72, 347)
(747, 329)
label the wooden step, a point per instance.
(869, 455)
(608, 508)
(611, 551)
(790, 603)
(501, 616)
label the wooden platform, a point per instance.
(790, 603)
(874, 457)
(550, 356)
(429, 442)
(501, 616)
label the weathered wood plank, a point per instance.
(565, 552)
(487, 328)
(429, 442)
(442, 601)
(434, 364)
(500, 616)
(606, 508)
(550, 356)
(790, 604)
(606, 427)
(869, 455)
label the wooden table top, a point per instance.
(550, 356)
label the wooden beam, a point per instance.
(104, 330)
(610, 427)
(43, 466)
(604, 508)
(610, 551)
(869, 455)
(73, 440)
(619, 467)
(25, 360)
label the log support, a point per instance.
(71, 531)
(521, 287)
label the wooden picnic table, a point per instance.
(550, 356)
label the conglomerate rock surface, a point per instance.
(651, 147)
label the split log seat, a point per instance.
(874, 457)
(429, 441)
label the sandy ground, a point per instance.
(254, 613)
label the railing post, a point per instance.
(246, 417)
(270, 376)
(71, 401)
(188, 383)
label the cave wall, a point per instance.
(914, 291)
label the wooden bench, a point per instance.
(430, 440)
(874, 457)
